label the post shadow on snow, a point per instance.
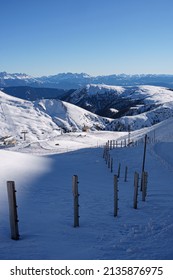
(46, 212)
(50, 194)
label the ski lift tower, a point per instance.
(24, 132)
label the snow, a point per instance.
(148, 93)
(149, 104)
(42, 167)
(155, 94)
(45, 200)
(43, 119)
(101, 88)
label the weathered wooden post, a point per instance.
(109, 160)
(104, 152)
(115, 195)
(144, 185)
(135, 199)
(129, 132)
(13, 210)
(124, 142)
(125, 176)
(76, 200)
(119, 170)
(110, 144)
(144, 157)
(111, 165)
(113, 144)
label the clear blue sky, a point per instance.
(44, 37)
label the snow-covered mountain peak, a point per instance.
(102, 88)
(6, 76)
(138, 106)
(75, 80)
(155, 94)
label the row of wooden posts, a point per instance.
(144, 176)
(13, 215)
(106, 155)
(110, 162)
(127, 142)
(143, 189)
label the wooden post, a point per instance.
(115, 195)
(144, 156)
(144, 185)
(124, 142)
(119, 170)
(113, 144)
(111, 165)
(103, 152)
(135, 199)
(76, 201)
(125, 176)
(13, 210)
(106, 154)
(109, 160)
(110, 144)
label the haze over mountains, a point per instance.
(74, 80)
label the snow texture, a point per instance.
(42, 167)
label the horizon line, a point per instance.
(89, 75)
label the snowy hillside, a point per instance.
(45, 199)
(43, 119)
(138, 106)
(70, 117)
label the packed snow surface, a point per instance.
(43, 174)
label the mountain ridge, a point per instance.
(75, 80)
(42, 119)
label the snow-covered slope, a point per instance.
(71, 117)
(138, 106)
(45, 201)
(43, 119)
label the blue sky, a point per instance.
(44, 37)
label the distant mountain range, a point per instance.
(68, 81)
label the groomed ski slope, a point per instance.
(45, 202)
